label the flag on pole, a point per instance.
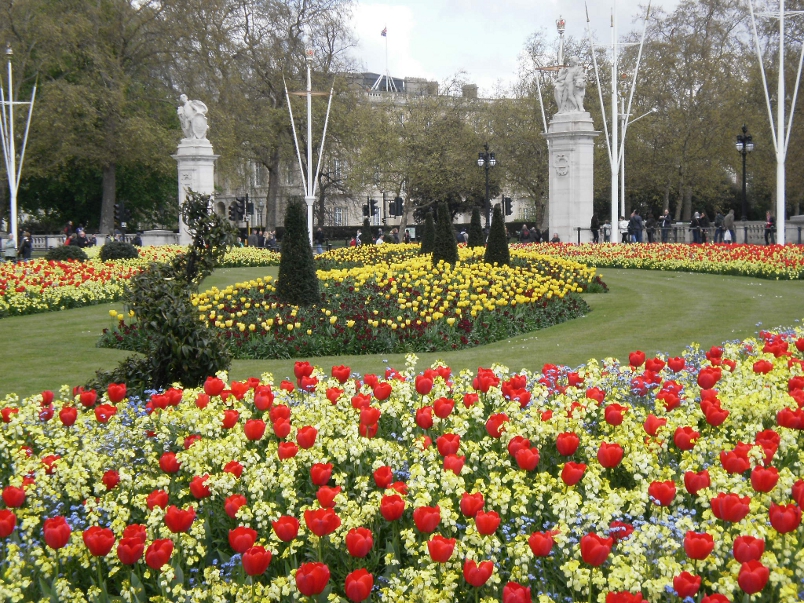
(384, 32)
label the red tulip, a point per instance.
(56, 532)
(341, 373)
(613, 414)
(440, 548)
(567, 443)
(620, 530)
(190, 440)
(427, 518)
(515, 593)
(233, 503)
(230, 418)
(695, 482)
(320, 473)
(104, 412)
(495, 424)
(516, 444)
(8, 522)
(392, 507)
(487, 522)
(68, 415)
(763, 367)
(443, 407)
(359, 542)
(312, 578)
(448, 444)
(541, 543)
(326, 496)
(764, 479)
(199, 488)
(753, 577)
(698, 545)
(234, 468)
(596, 394)
(115, 392)
(302, 369)
(730, 507)
(286, 528)
(609, 455)
(469, 399)
(471, 503)
(684, 438)
(572, 473)
(286, 450)
(370, 415)
(423, 384)
(784, 518)
(734, 462)
(88, 398)
(652, 425)
(256, 560)
(358, 585)
(254, 429)
(129, 550)
(424, 417)
(636, 359)
(798, 491)
(595, 550)
(13, 497)
(158, 554)
(708, 377)
(306, 436)
(686, 584)
(676, 364)
(281, 428)
(99, 541)
(527, 458)
(334, 394)
(213, 386)
(454, 463)
(110, 479)
(168, 462)
(242, 539)
(748, 548)
(6, 413)
(201, 401)
(624, 597)
(157, 498)
(715, 598)
(321, 521)
(136, 530)
(179, 520)
(383, 476)
(477, 574)
(662, 493)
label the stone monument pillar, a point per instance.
(195, 158)
(570, 137)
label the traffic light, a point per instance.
(398, 209)
(509, 205)
(240, 205)
(233, 212)
(365, 211)
(118, 213)
(374, 209)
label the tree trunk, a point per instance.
(109, 197)
(667, 196)
(687, 203)
(271, 210)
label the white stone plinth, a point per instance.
(571, 138)
(196, 163)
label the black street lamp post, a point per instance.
(487, 160)
(744, 145)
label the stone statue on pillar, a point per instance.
(570, 88)
(195, 157)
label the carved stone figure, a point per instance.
(193, 118)
(570, 88)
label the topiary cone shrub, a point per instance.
(298, 282)
(446, 246)
(428, 235)
(118, 250)
(476, 237)
(497, 248)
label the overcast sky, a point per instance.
(437, 38)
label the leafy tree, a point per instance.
(179, 347)
(476, 237)
(298, 282)
(428, 235)
(445, 246)
(497, 248)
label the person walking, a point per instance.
(26, 247)
(524, 234)
(718, 227)
(695, 227)
(406, 238)
(666, 223)
(607, 232)
(319, 241)
(650, 227)
(594, 226)
(770, 228)
(622, 226)
(9, 249)
(705, 225)
(728, 228)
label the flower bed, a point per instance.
(760, 261)
(243, 257)
(42, 286)
(664, 478)
(392, 307)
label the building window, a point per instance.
(288, 175)
(527, 212)
(340, 215)
(336, 169)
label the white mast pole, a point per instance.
(781, 147)
(12, 149)
(309, 197)
(615, 155)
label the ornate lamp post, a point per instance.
(744, 145)
(487, 160)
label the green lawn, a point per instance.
(651, 311)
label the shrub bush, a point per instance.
(297, 283)
(118, 250)
(428, 235)
(445, 247)
(497, 249)
(66, 252)
(476, 237)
